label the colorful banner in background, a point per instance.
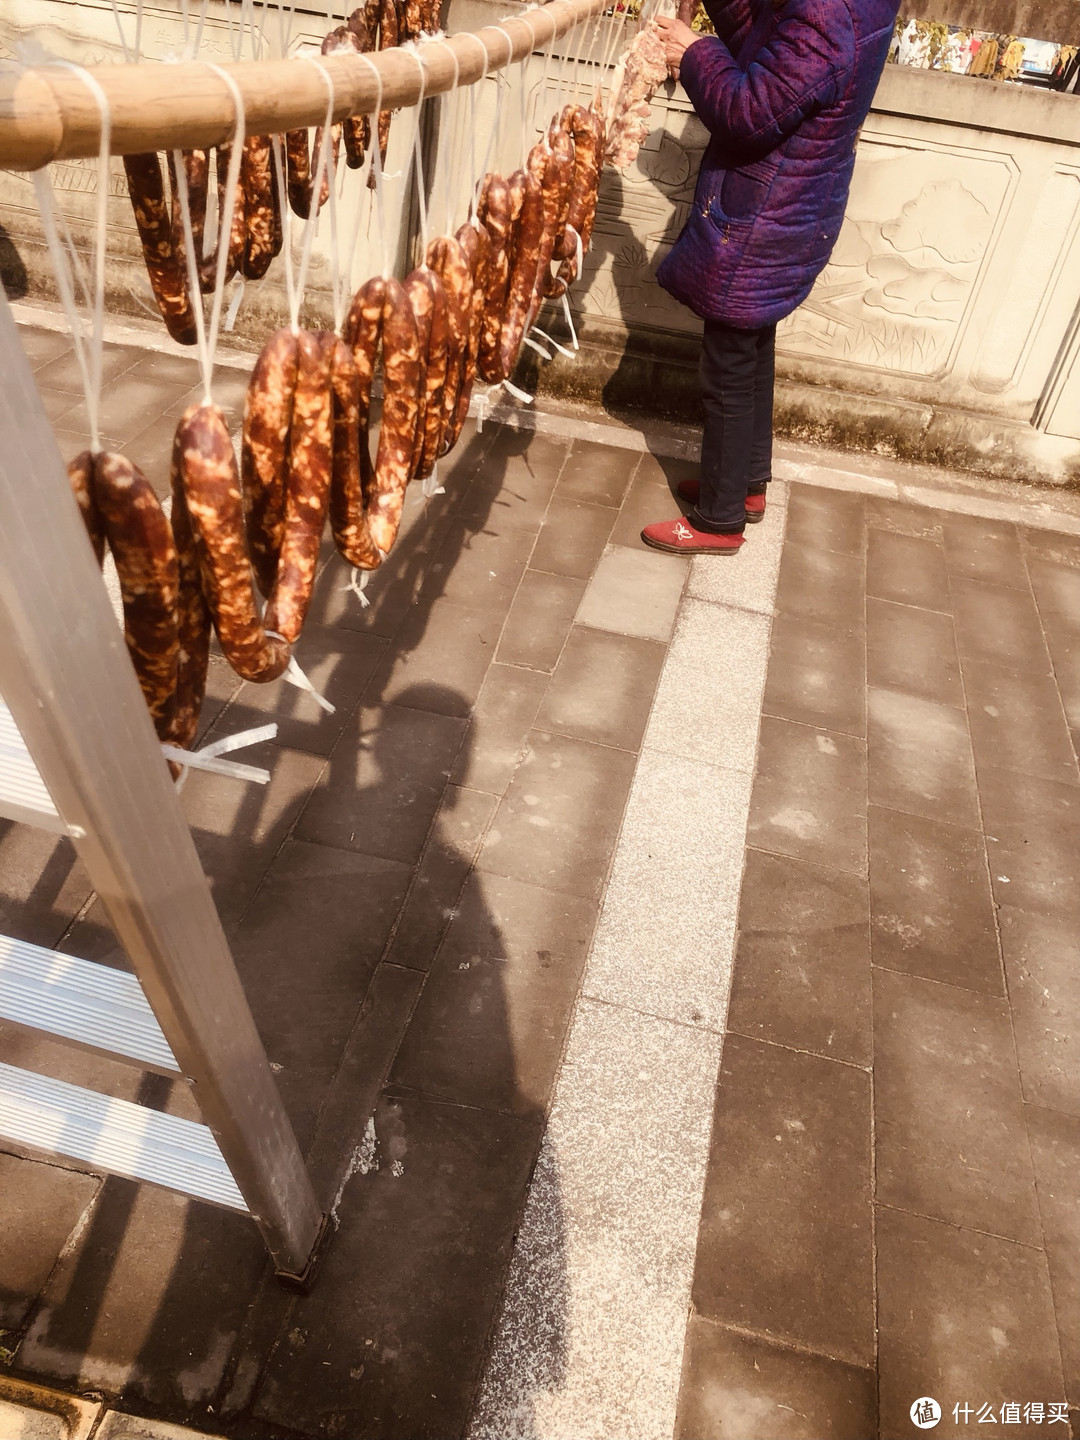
(930, 45)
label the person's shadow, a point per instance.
(419, 1114)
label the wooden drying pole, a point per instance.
(48, 113)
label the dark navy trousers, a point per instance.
(737, 375)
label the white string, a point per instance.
(376, 160)
(206, 758)
(232, 180)
(569, 319)
(473, 92)
(90, 364)
(449, 170)
(322, 165)
(418, 151)
(285, 212)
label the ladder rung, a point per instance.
(114, 1135)
(23, 796)
(82, 1004)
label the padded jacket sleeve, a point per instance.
(797, 72)
(731, 20)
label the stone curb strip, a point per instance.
(31, 1412)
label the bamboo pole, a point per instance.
(48, 113)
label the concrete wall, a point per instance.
(1041, 19)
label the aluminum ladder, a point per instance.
(79, 757)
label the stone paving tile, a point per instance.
(671, 957)
(903, 518)
(540, 621)
(950, 1136)
(634, 593)
(708, 703)
(785, 1245)
(822, 585)
(1042, 962)
(42, 1206)
(906, 570)
(338, 663)
(384, 783)
(219, 810)
(481, 568)
(490, 1025)
(1065, 657)
(35, 1412)
(42, 346)
(980, 549)
(809, 798)
(999, 626)
(130, 404)
(62, 371)
(597, 474)
(913, 651)
(802, 961)
(1050, 545)
(572, 538)
(921, 759)
(129, 1310)
(515, 484)
(116, 1426)
(557, 823)
(57, 404)
(502, 717)
(1017, 723)
(742, 1388)
(590, 1338)
(602, 688)
(1033, 839)
(429, 1229)
(460, 826)
(1055, 1151)
(1057, 594)
(817, 676)
(932, 909)
(42, 884)
(964, 1317)
(826, 520)
(439, 658)
(305, 985)
(748, 582)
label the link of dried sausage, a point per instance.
(586, 151)
(354, 128)
(364, 23)
(307, 490)
(298, 171)
(432, 15)
(257, 184)
(268, 412)
(448, 260)
(556, 172)
(592, 188)
(192, 614)
(275, 200)
(147, 190)
(362, 332)
(496, 214)
(211, 486)
(528, 235)
(142, 546)
(429, 435)
(401, 381)
(420, 291)
(197, 178)
(81, 474)
(348, 517)
(237, 239)
(476, 242)
(410, 20)
(389, 37)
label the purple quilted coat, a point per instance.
(783, 90)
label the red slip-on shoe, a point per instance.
(690, 491)
(681, 538)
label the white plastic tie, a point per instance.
(431, 486)
(295, 676)
(570, 319)
(570, 354)
(234, 303)
(208, 756)
(534, 345)
(517, 394)
(358, 583)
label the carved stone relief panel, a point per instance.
(921, 227)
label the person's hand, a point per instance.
(676, 39)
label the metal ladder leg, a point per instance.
(66, 676)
